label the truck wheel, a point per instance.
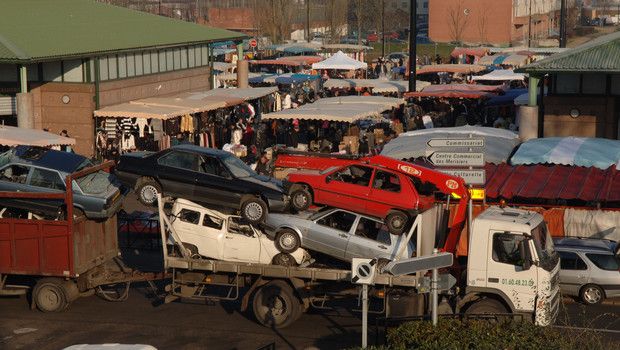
(254, 210)
(49, 295)
(275, 305)
(487, 306)
(396, 222)
(591, 294)
(284, 259)
(301, 199)
(287, 241)
(147, 192)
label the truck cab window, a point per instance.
(189, 216)
(506, 248)
(338, 220)
(374, 230)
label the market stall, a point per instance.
(15, 136)
(340, 61)
(375, 86)
(500, 75)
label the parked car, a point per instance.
(35, 169)
(339, 233)
(379, 186)
(204, 175)
(212, 234)
(589, 268)
(396, 56)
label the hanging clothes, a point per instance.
(110, 126)
(127, 125)
(143, 126)
(128, 143)
(158, 129)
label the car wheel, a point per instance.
(148, 191)
(284, 259)
(275, 305)
(301, 199)
(396, 222)
(287, 241)
(592, 294)
(254, 210)
(49, 295)
(488, 306)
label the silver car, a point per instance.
(589, 268)
(338, 233)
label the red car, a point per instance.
(378, 186)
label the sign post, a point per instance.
(363, 272)
(434, 262)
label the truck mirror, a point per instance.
(524, 252)
(328, 179)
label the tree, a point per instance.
(458, 18)
(336, 18)
(273, 18)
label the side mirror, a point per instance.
(524, 252)
(328, 179)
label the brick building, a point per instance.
(61, 60)
(494, 22)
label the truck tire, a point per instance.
(591, 294)
(50, 295)
(301, 199)
(284, 259)
(396, 221)
(254, 210)
(487, 306)
(287, 241)
(275, 305)
(147, 191)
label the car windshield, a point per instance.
(237, 167)
(84, 164)
(544, 247)
(5, 158)
(328, 170)
(96, 183)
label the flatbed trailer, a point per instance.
(279, 294)
(62, 259)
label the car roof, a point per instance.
(202, 150)
(47, 158)
(585, 244)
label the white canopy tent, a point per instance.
(501, 75)
(14, 136)
(340, 61)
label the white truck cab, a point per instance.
(512, 262)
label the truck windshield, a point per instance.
(544, 247)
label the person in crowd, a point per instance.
(262, 166)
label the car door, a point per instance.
(505, 271)
(574, 273)
(348, 187)
(240, 241)
(214, 184)
(177, 172)
(387, 193)
(188, 228)
(369, 239)
(330, 233)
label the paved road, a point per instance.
(198, 326)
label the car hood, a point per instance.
(266, 181)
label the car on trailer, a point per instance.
(203, 175)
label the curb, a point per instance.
(613, 301)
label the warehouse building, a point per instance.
(61, 60)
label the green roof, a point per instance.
(38, 30)
(601, 55)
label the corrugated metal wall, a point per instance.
(8, 105)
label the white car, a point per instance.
(212, 234)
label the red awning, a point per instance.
(553, 182)
(450, 94)
(451, 68)
(470, 51)
(464, 87)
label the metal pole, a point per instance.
(529, 27)
(413, 9)
(470, 215)
(434, 294)
(563, 23)
(364, 316)
(308, 20)
(23, 79)
(382, 28)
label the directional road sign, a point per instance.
(445, 282)
(455, 143)
(407, 266)
(363, 271)
(471, 177)
(457, 159)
